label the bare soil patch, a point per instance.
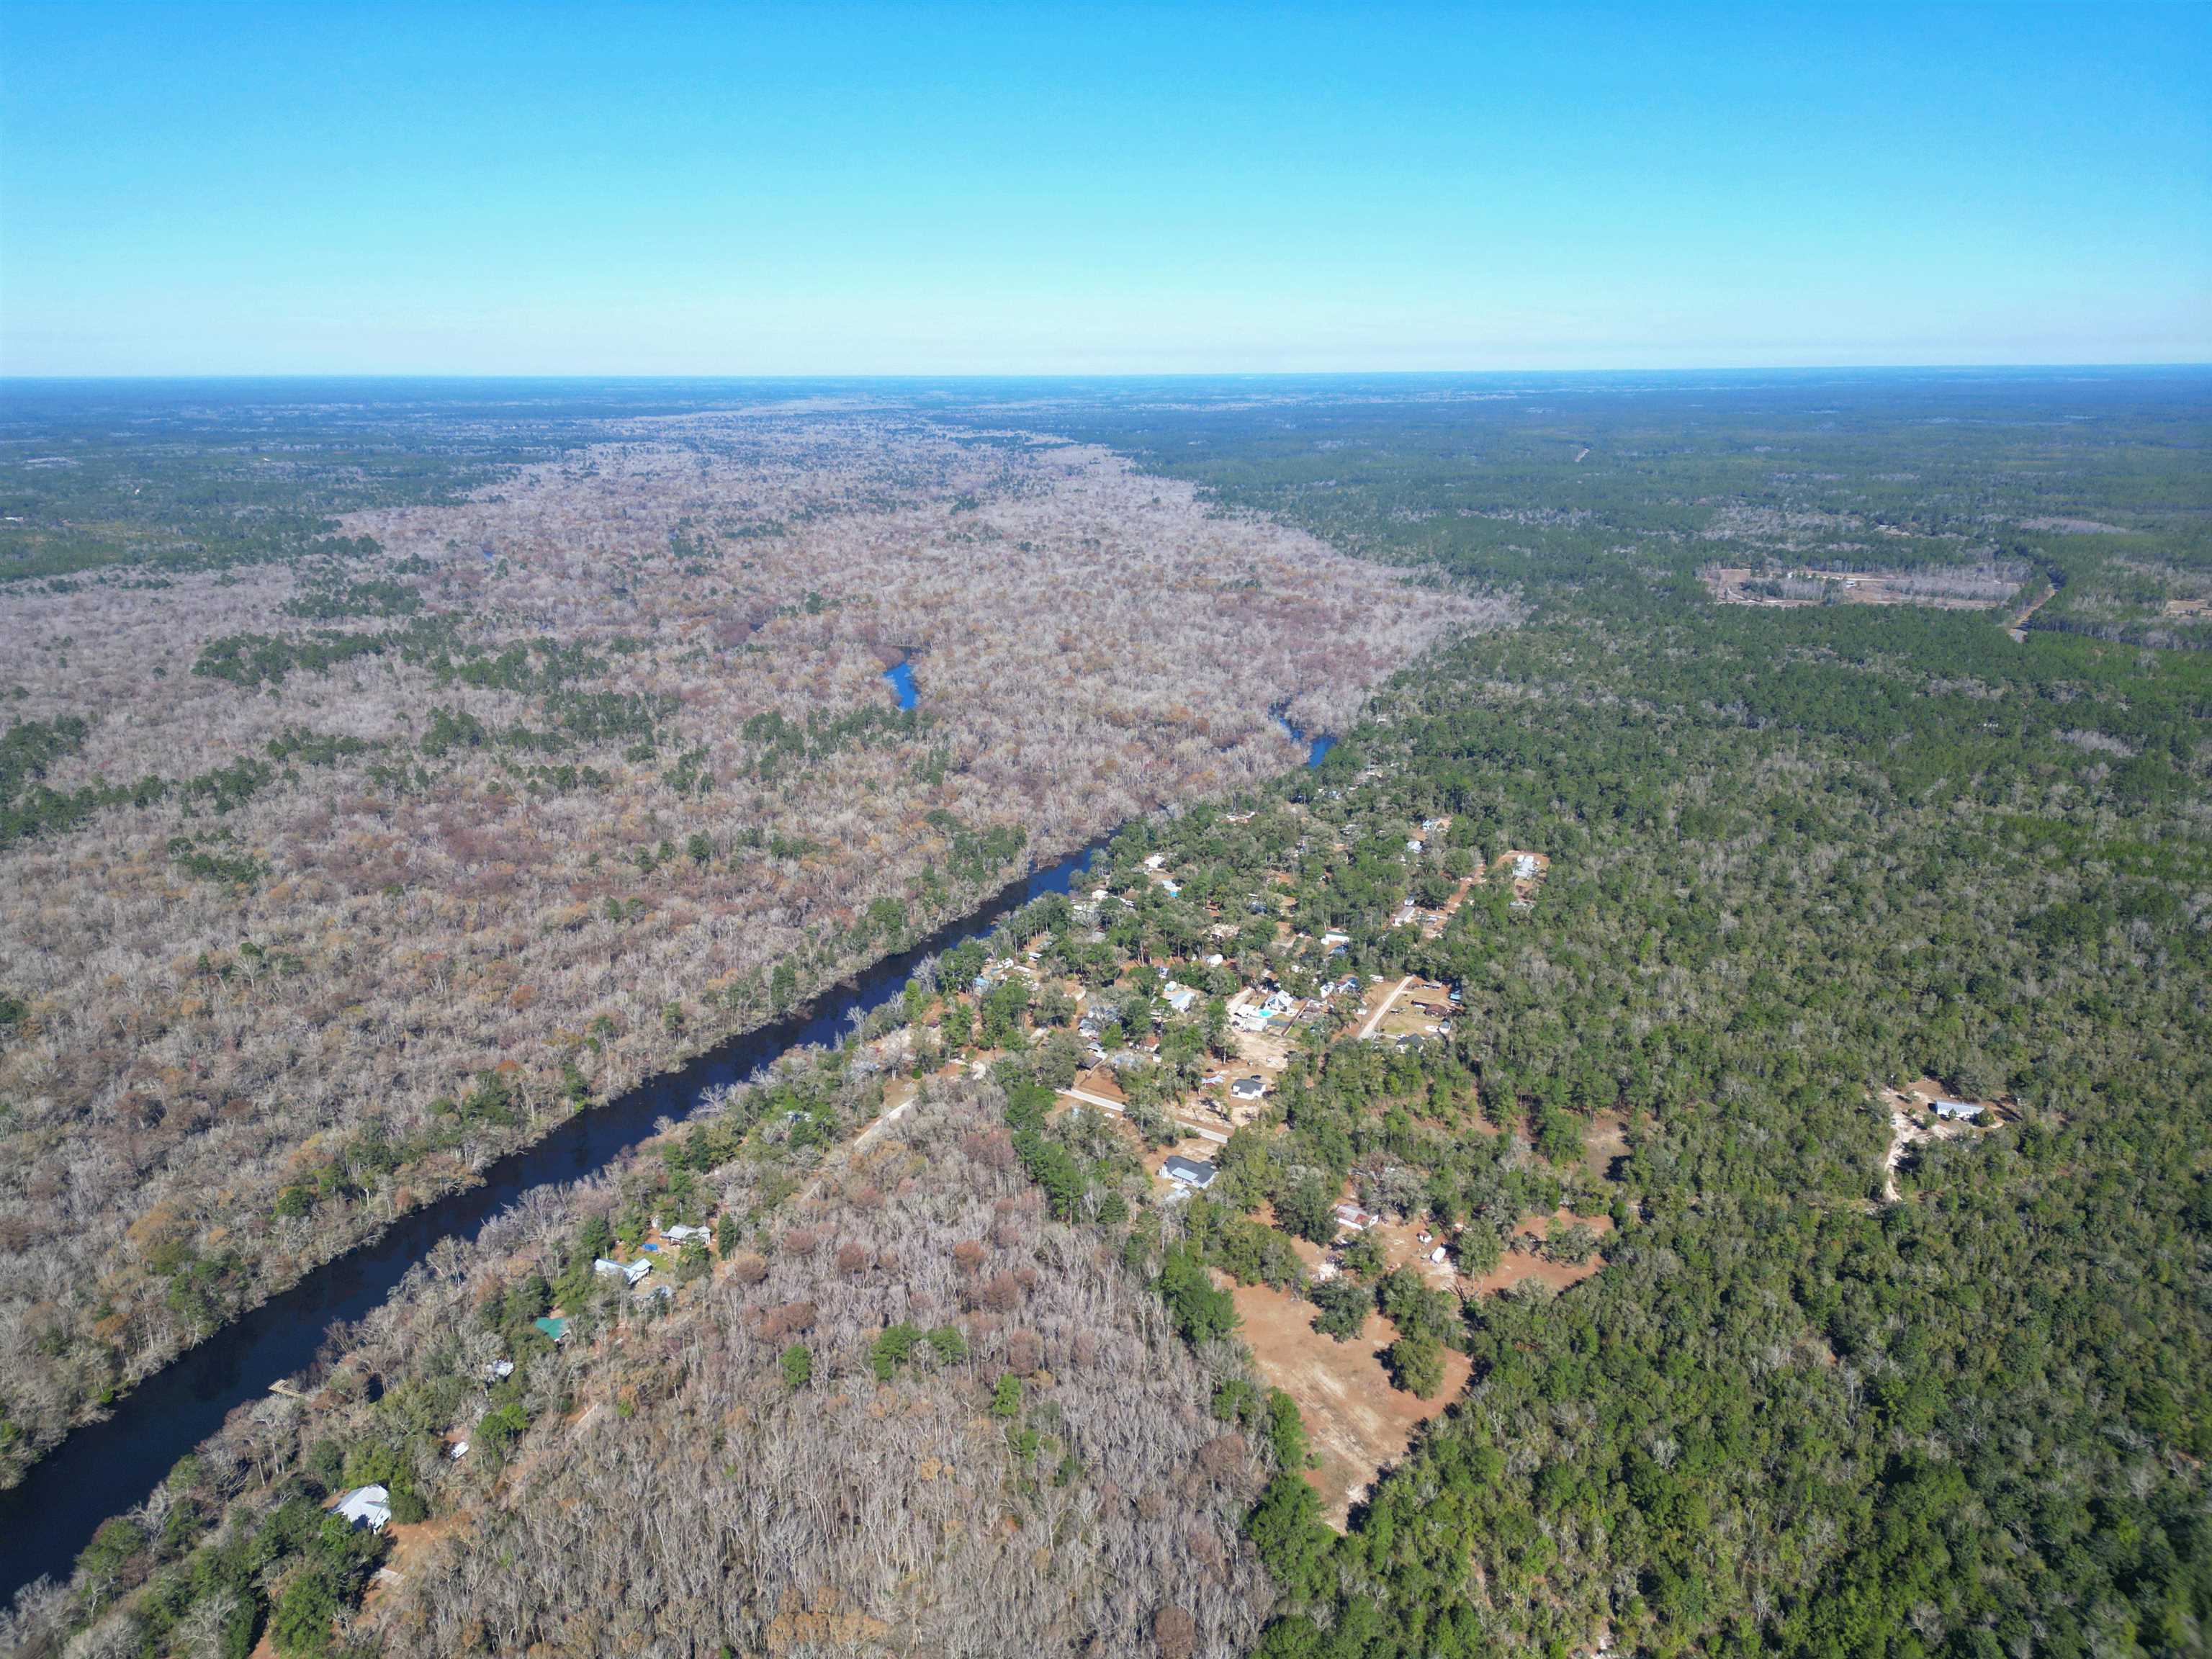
(1262, 1050)
(1508, 865)
(410, 1544)
(1522, 1267)
(1785, 589)
(1101, 1081)
(1605, 1145)
(1913, 1122)
(1359, 1423)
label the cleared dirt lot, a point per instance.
(1732, 584)
(1359, 1422)
(1402, 1247)
(1265, 1051)
(1605, 1145)
(1525, 888)
(1913, 1123)
(1520, 1268)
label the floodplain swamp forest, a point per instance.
(332, 875)
(1797, 854)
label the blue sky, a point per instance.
(487, 189)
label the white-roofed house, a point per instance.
(365, 1506)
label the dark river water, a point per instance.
(107, 1468)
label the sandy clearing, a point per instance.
(1358, 1422)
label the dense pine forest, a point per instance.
(1798, 855)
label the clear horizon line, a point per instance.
(911, 375)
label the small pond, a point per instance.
(1317, 744)
(901, 675)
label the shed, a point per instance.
(1189, 1171)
